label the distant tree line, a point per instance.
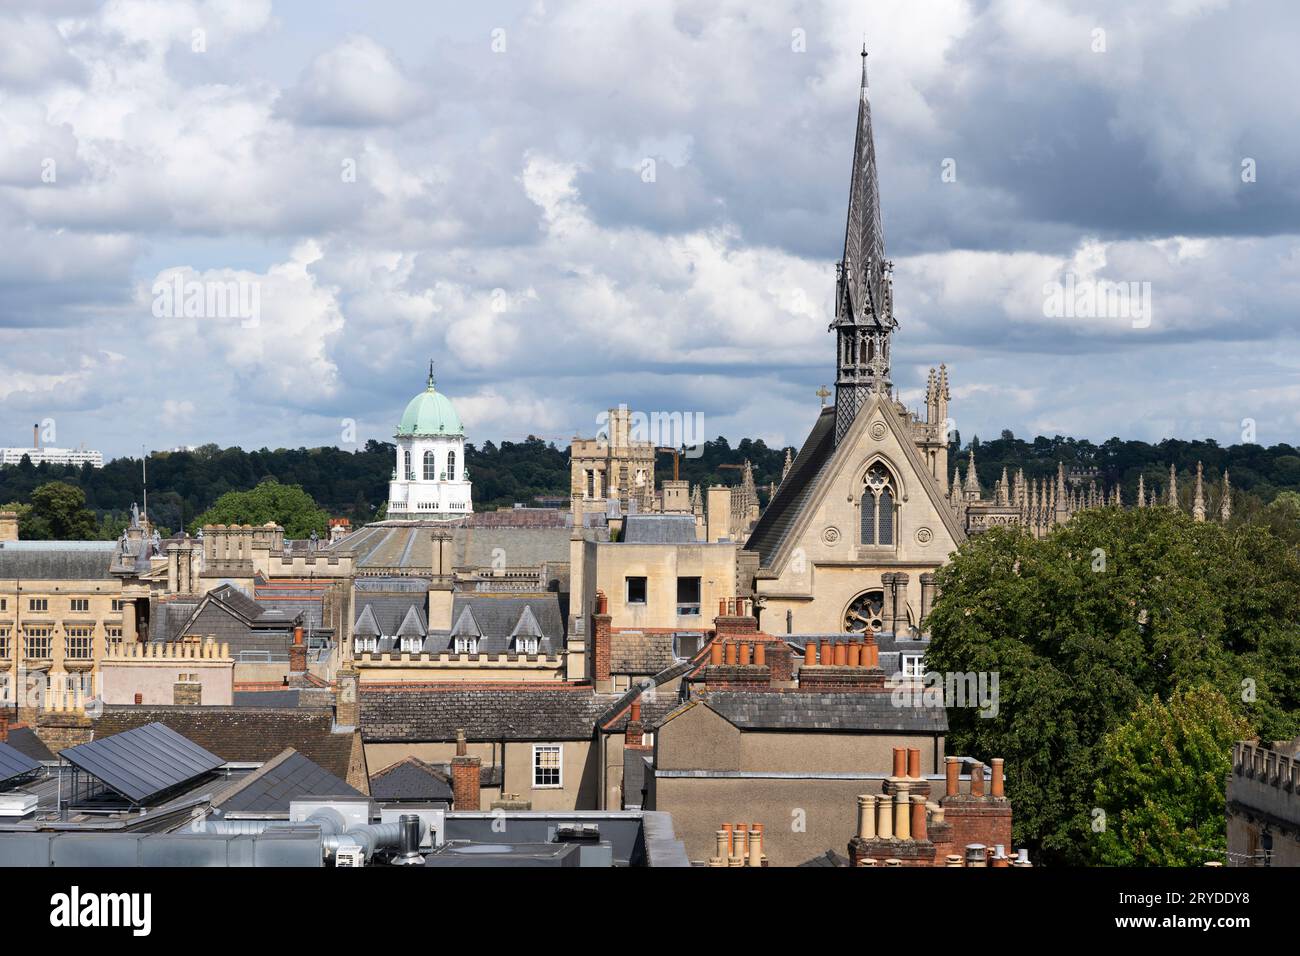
(354, 484)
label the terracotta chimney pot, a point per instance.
(810, 654)
(760, 654)
(952, 772)
(743, 660)
(914, 763)
(997, 788)
(977, 780)
(900, 762)
(715, 653)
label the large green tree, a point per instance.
(286, 505)
(58, 512)
(1111, 609)
(1160, 785)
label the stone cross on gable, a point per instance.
(822, 393)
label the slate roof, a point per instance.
(487, 712)
(411, 780)
(243, 734)
(495, 619)
(409, 545)
(167, 619)
(828, 859)
(659, 529)
(282, 778)
(25, 741)
(783, 511)
(232, 617)
(633, 653)
(852, 712)
(655, 703)
(69, 561)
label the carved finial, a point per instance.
(1198, 500)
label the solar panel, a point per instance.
(144, 762)
(15, 763)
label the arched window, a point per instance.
(878, 507)
(451, 466)
(410, 472)
(430, 466)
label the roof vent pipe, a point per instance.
(408, 845)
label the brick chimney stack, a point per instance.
(846, 666)
(465, 776)
(635, 728)
(297, 653)
(4, 728)
(600, 647)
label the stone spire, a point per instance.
(785, 468)
(1198, 501)
(697, 501)
(954, 492)
(972, 479)
(1172, 500)
(1225, 506)
(1061, 496)
(1142, 491)
(864, 311)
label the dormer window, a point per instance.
(412, 645)
(466, 645)
(365, 645)
(526, 645)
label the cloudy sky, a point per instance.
(570, 205)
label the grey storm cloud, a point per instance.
(479, 195)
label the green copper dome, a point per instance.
(430, 413)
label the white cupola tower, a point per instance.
(430, 480)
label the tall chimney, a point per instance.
(601, 650)
(465, 776)
(635, 728)
(997, 777)
(297, 653)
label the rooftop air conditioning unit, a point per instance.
(349, 856)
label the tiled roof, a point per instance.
(852, 712)
(32, 562)
(784, 509)
(505, 711)
(634, 653)
(411, 779)
(659, 529)
(279, 780)
(239, 734)
(495, 619)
